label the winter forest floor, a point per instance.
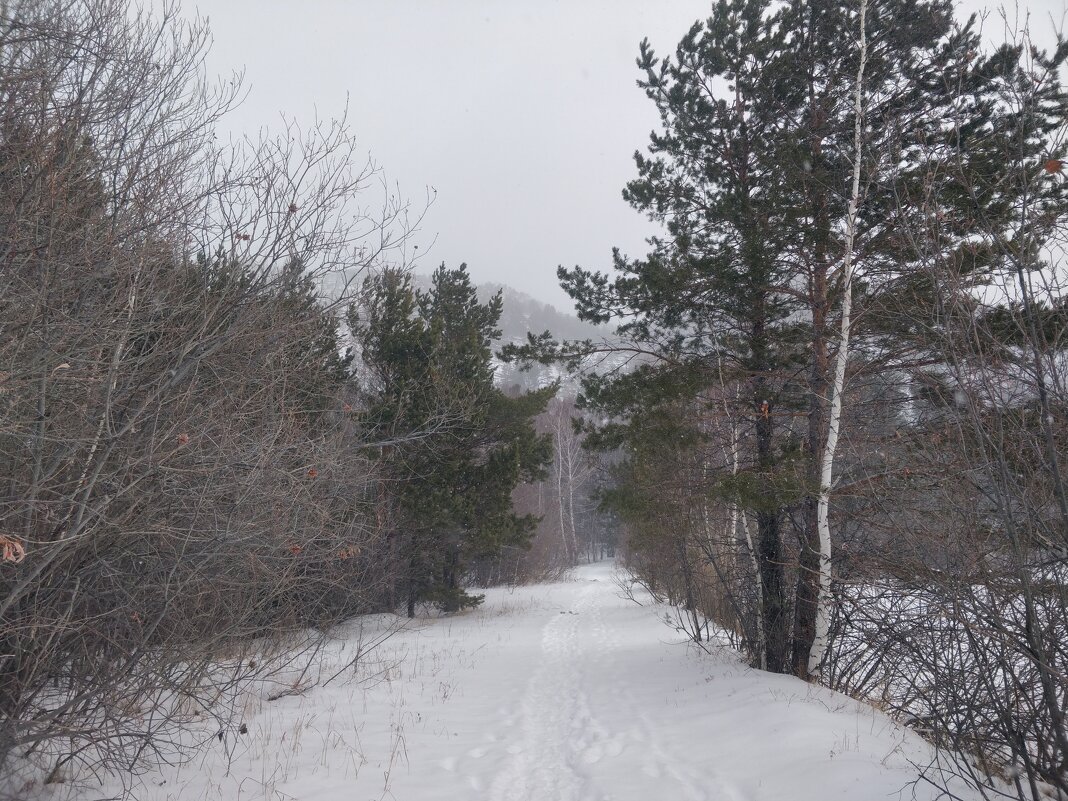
(554, 692)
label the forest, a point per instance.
(840, 441)
(823, 418)
(192, 462)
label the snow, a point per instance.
(555, 692)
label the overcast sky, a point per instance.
(523, 115)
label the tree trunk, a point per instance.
(411, 583)
(761, 638)
(772, 583)
(735, 514)
(774, 591)
(822, 622)
(807, 591)
(451, 579)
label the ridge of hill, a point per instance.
(524, 314)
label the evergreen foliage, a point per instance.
(454, 446)
(731, 309)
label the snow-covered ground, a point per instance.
(558, 692)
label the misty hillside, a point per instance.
(523, 314)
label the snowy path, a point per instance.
(561, 692)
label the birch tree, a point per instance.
(754, 178)
(819, 642)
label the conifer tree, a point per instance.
(454, 446)
(750, 177)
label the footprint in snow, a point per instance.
(593, 755)
(477, 753)
(614, 747)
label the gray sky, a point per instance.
(522, 114)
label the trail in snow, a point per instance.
(541, 761)
(562, 739)
(561, 692)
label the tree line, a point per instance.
(841, 442)
(227, 417)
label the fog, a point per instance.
(520, 119)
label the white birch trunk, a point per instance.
(761, 638)
(823, 608)
(569, 445)
(560, 495)
(737, 512)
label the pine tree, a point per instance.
(710, 288)
(454, 446)
(750, 177)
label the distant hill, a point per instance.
(523, 314)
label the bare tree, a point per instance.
(958, 622)
(181, 470)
